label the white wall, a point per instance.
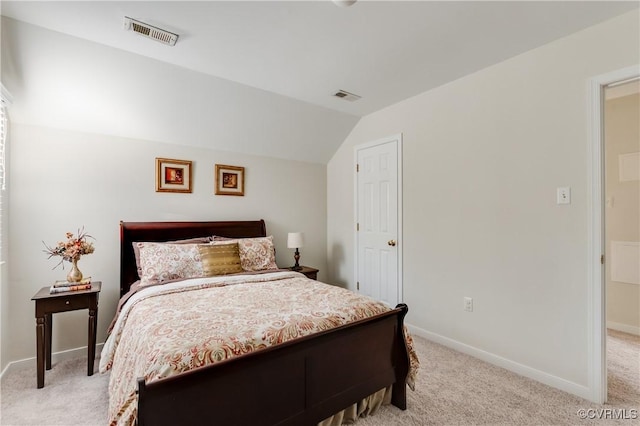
(61, 180)
(483, 156)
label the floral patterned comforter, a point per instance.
(156, 337)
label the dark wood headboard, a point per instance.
(166, 231)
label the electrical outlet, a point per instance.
(468, 304)
(563, 195)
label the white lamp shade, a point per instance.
(295, 240)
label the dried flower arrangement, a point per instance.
(72, 249)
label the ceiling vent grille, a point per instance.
(347, 96)
(163, 36)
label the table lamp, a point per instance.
(295, 240)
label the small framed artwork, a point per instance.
(173, 175)
(229, 180)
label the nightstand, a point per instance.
(48, 304)
(311, 273)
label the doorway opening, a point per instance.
(621, 185)
(597, 312)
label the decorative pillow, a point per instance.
(256, 254)
(198, 240)
(220, 259)
(162, 262)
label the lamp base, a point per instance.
(296, 257)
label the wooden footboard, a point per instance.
(300, 382)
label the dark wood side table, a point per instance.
(311, 273)
(48, 304)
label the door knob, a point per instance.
(392, 243)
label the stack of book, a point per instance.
(62, 286)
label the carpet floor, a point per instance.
(452, 389)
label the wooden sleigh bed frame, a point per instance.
(300, 382)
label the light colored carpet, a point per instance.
(452, 389)
(456, 389)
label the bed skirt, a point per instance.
(365, 407)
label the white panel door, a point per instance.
(377, 229)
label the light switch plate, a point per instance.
(563, 195)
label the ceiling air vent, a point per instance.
(150, 31)
(343, 94)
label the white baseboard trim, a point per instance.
(507, 364)
(625, 328)
(55, 357)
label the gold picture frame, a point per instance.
(229, 180)
(173, 175)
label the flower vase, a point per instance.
(74, 275)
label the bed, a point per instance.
(301, 380)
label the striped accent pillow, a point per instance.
(220, 259)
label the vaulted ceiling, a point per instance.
(302, 52)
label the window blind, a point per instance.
(3, 176)
(5, 101)
(3, 139)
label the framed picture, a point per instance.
(229, 180)
(173, 175)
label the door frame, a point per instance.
(400, 239)
(596, 309)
